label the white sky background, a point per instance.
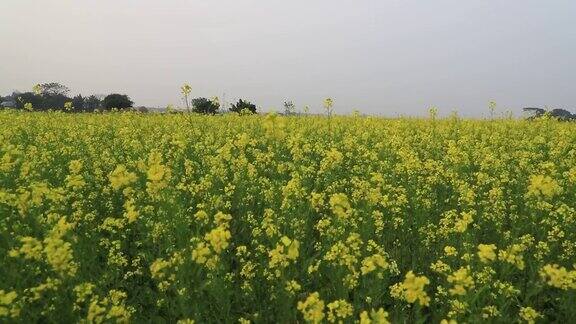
(379, 56)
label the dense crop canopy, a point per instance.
(125, 217)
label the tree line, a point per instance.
(560, 114)
(55, 96)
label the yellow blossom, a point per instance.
(156, 172)
(120, 177)
(450, 250)
(461, 280)
(376, 317)
(412, 289)
(312, 308)
(201, 253)
(545, 186)
(339, 310)
(372, 263)
(31, 249)
(558, 277)
(340, 205)
(218, 239)
(7, 305)
(486, 252)
(131, 213)
(529, 314)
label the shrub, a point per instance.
(118, 101)
(205, 106)
(243, 105)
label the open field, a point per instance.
(149, 218)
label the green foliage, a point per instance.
(29, 97)
(53, 96)
(205, 106)
(51, 89)
(92, 103)
(243, 106)
(118, 101)
(78, 103)
(559, 114)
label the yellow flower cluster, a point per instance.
(375, 317)
(461, 280)
(215, 242)
(412, 289)
(544, 186)
(513, 255)
(287, 250)
(339, 310)
(529, 315)
(8, 307)
(121, 177)
(558, 277)
(487, 252)
(372, 263)
(218, 239)
(312, 308)
(58, 253)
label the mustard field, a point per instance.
(127, 217)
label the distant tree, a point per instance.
(289, 108)
(560, 114)
(216, 101)
(28, 97)
(242, 105)
(53, 101)
(92, 103)
(205, 106)
(78, 103)
(51, 89)
(537, 112)
(11, 100)
(5, 101)
(51, 95)
(118, 101)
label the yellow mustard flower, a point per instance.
(312, 308)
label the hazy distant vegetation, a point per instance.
(55, 97)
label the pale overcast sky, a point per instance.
(379, 56)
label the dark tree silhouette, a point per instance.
(118, 101)
(53, 89)
(54, 101)
(92, 103)
(560, 114)
(205, 106)
(78, 103)
(242, 105)
(29, 97)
